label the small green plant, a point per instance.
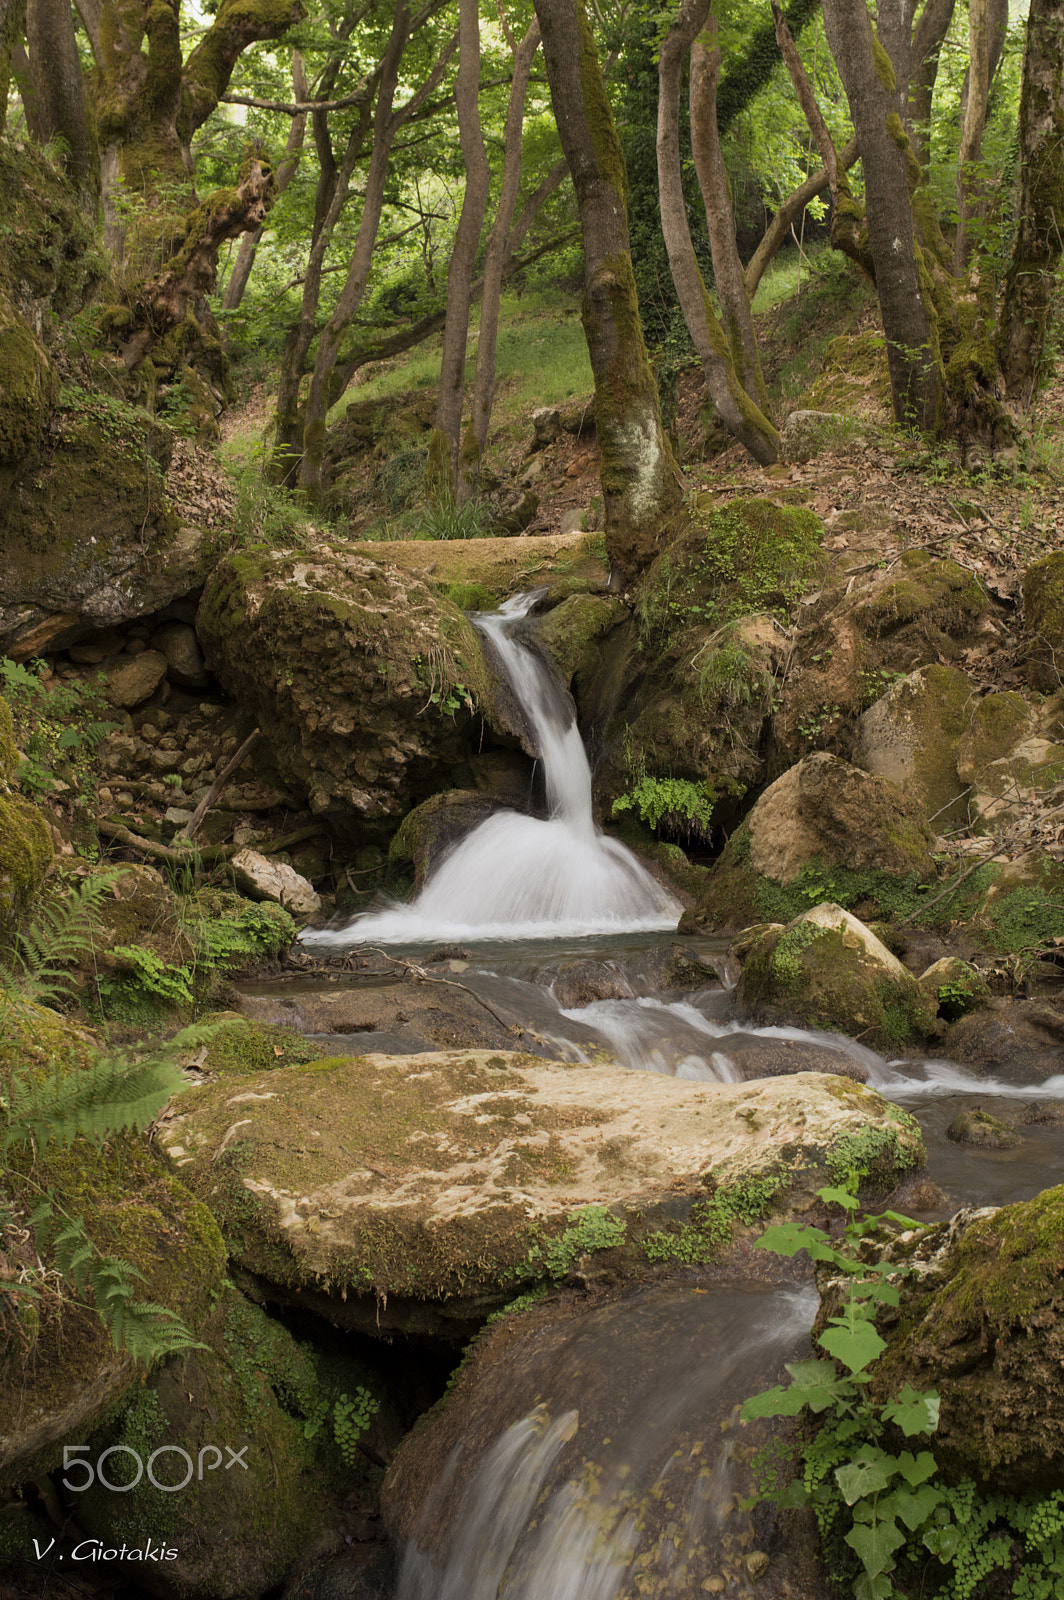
(891, 1527)
(58, 724)
(672, 803)
(444, 518)
(352, 1416)
(452, 700)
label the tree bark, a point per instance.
(59, 93)
(720, 221)
(868, 75)
(788, 212)
(12, 15)
(928, 38)
(245, 257)
(723, 358)
(972, 128)
(640, 480)
(494, 261)
(1036, 252)
(386, 124)
(446, 439)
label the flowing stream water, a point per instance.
(531, 895)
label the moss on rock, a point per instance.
(26, 853)
(912, 735)
(1043, 607)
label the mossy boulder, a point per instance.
(62, 1373)
(977, 1127)
(1011, 755)
(28, 389)
(26, 849)
(939, 601)
(955, 987)
(911, 736)
(1043, 609)
(363, 680)
(827, 810)
(253, 1411)
(433, 828)
(572, 635)
(694, 695)
(827, 970)
(418, 1193)
(983, 1323)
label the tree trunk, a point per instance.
(386, 124)
(868, 76)
(640, 479)
(722, 359)
(249, 244)
(446, 435)
(1036, 251)
(978, 86)
(12, 13)
(720, 224)
(59, 93)
(497, 249)
(788, 213)
(931, 31)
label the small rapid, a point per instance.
(520, 877)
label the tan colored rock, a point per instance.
(133, 679)
(423, 1190)
(828, 810)
(911, 736)
(264, 879)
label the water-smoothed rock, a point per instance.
(954, 987)
(433, 828)
(596, 1437)
(827, 970)
(1043, 608)
(264, 879)
(419, 1193)
(1019, 1041)
(977, 1127)
(983, 1323)
(363, 680)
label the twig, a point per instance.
(218, 785)
(950, 888)
(421, 976)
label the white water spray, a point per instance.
(517, 877)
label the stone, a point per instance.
(443, 1184)
(512, 510)
(954, 987)
(583, 982)
(911, 736)
(184, 659)
(433, 828)
(572, 521)
(264, 879)
(982, 1321)
(96, 646)
(1043, 613)
(1019, 1041)
(827, 810)
(546, 426)
(806, 433)
(978, 1127)
(572, 634)
(133, 679)
(827, 970)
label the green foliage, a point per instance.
(351, 1417)
(591, 1228)
(763, 554)
(444, 518)
(673, 803)
(153, 975)
(61, 934)
(263, 513)
(891, 1528)
(58, 726)
(713, 1222)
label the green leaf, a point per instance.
(787, 1238)
(855, 1343)
(916, 1470)
(914, 1412)
(913, 1507)
(838, 1197)
(943, 1542)
(867, 1475)
(875, 1546)
(778, 1402)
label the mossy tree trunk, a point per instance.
(1036, 251)
(640, 480)
(494, 263)
(59, 96)
(12, 14)
(869, 77)
(238, 278)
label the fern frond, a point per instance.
(113, 1094)
(62, 932)
(148, 1331)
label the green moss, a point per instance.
(713, 1222)
(239, 1047)
(884, 68)
(26, 853)
(1043, 600)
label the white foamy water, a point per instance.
(518, 877)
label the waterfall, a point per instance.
(518, 877)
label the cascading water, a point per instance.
(518, 877)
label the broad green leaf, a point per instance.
(943, 1542)
(913, 1507)
(787, 1238)
(869, 1588)
(838, 1197)
(876, 1546)
(778, 1402)
(858, 1479)
(856, 1345)
(914, 1412)
(916, 1470)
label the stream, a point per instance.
(548, 1505)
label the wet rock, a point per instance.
(671, 967)
(755, 1058)
(184, 658)
(1043, 609)
(405, 1017)
(442, 1184)
(133, 679)
(598, 1438)
(264, 879)
(911, 736)
(983, 1323)
(978, 1127)
(1018, 1041)
(826, 810)
(571, 635)
(433, 828)
(826, 970)
(583, 982)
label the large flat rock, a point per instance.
(426, 1190)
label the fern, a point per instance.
(115, 1094)
(62, 932)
